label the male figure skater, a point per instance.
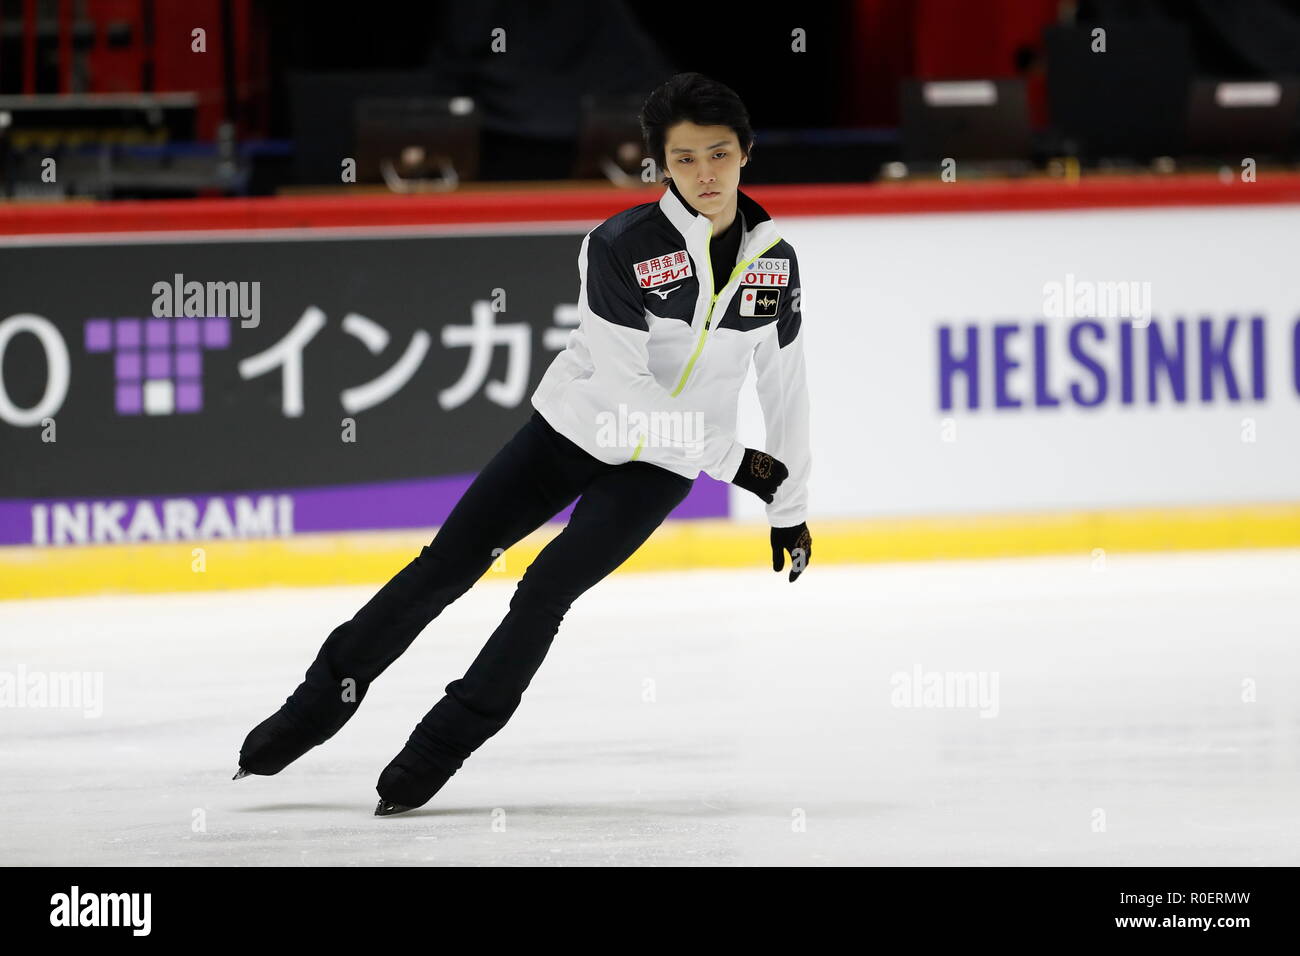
(677, 298)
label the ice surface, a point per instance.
(700, 718)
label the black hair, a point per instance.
(695, 98)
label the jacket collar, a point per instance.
(757, 224)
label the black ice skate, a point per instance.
(286, 735)
(408, 782)
(274, 744)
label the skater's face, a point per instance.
(705, 163)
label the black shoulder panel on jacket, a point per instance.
(616, 225)
(611, 293)
(789, 319)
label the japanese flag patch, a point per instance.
(759, 303)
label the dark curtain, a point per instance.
(556, 51)
(1231, 39)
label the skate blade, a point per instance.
(386, 808)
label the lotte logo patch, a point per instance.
(759, 303)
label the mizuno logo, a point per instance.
(666, 292)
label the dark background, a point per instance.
(241, 440)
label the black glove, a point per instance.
(760, 473)
(796, 540)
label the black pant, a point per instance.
(534, 475)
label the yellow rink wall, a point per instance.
(373, 557)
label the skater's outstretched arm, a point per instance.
(782, 382)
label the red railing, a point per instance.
(596, 204)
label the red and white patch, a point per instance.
(772, 273)
(661, 270)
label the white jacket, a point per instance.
(653, 371)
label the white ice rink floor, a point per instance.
(1145, 713)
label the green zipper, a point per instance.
(708, 318)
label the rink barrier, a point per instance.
(361, 558)
(371, 557)
(345, 209)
